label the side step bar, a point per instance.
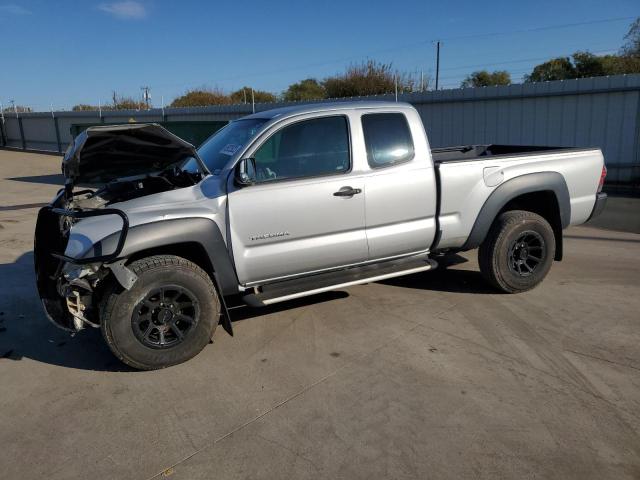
(292, 289)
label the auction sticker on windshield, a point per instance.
(230, 149)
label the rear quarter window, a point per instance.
(387, 138)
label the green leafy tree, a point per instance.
(201, 97)
(619, 64)
(559, 68)
(307, 89)
(590, 65)
(243, 95)
(584, 65)
(483, 78)
(368, 78)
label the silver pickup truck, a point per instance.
(283, 204)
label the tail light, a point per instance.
(603, 175)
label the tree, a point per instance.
(307, 89)
(201, 97)
(83, 107)
(619, 64)
(583, 65)
(632, 46)
(368, 78)
(124, 103)
(17, 108)
(243, 95)
(559, 68)
(128, 103)
(587, 64)
(484, 78)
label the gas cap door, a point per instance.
(493, 176)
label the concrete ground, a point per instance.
(622, 213)
(428, 376)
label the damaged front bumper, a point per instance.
(67, 285)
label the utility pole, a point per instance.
(396, 85)
(145, 95)
(57, 129)
(253, 102)
(2, 127)
(422, 80)
(437, 63)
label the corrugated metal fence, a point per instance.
(592, 112)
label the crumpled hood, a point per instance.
(104, 153)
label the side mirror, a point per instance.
(245, 173)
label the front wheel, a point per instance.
(518, 251)
(167, 317)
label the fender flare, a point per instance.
(507, 191)
(198, 230)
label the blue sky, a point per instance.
(68, 52)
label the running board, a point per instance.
(292, 289)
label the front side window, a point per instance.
(387, 138)
(309, 148)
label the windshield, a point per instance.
(216, 151)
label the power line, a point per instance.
(520, 71)
(437, 63)
(536, 59)
(540, 29)
(407, 46)
(414, 45)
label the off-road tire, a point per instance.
(494, 252)
(157, 272)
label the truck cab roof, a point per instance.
(293, 110)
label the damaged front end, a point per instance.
(67, 285)
(124, 163)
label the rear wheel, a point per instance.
(518, 251)
(167, 317)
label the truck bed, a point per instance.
(478, 152)
(467, 175)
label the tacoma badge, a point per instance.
(269, 235)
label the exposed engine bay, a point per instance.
(122, 190)
(77, 283)
(119, 164)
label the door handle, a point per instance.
(347, 192)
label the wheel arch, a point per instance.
(196, 239)
(192, 251)
(544, 193)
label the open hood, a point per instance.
(104, 153)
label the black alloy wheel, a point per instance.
(165, 316)
(526, 253)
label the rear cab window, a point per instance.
(387, 139)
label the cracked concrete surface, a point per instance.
(427, 376)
